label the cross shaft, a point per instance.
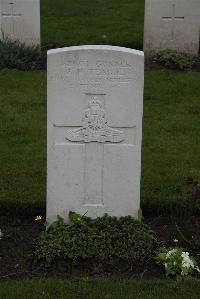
(173, 19)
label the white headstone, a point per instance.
(172, 24)
(95, 104)
(20, 20)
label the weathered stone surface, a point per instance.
(172, 24)
(95, 104)
(20, 20)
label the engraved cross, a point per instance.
(173, 20)
(94, 133)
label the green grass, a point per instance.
(99, 289)
(69, 22)
(22, 137)
(171, 137)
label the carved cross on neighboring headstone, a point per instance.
(10, 13)
(173, 18)
(94, 133)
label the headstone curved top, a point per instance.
(172, 24)
(95, 103)
(20, 20)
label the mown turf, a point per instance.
(99, 289)
(171, 137)
(22, 137)
(69, 22)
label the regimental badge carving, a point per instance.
(95, 128)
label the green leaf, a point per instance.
(140, 216)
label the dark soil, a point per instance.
(17, 245)
(20, 236)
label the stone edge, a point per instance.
(96, 47)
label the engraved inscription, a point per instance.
(95, 128)
(85, 73)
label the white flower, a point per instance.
(172, 263)
(187, 264)
(1, 234)
(170, 252)
(185, 255)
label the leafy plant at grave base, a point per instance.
(14, 54)
(140, 215)
(173, 59)
(104, 238)
(176, 262)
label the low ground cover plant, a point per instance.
(14, 54)
(104, 238)
(173, 59)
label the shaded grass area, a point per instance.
(114, 22)
(22, 137)
(99, 288)
(171, 138)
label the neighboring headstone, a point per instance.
(172, 24)
(95, 104)
(20, 20)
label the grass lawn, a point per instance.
(22, 137)
(171, 140)
(69, 22)
(171, 136)
(99, 289)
